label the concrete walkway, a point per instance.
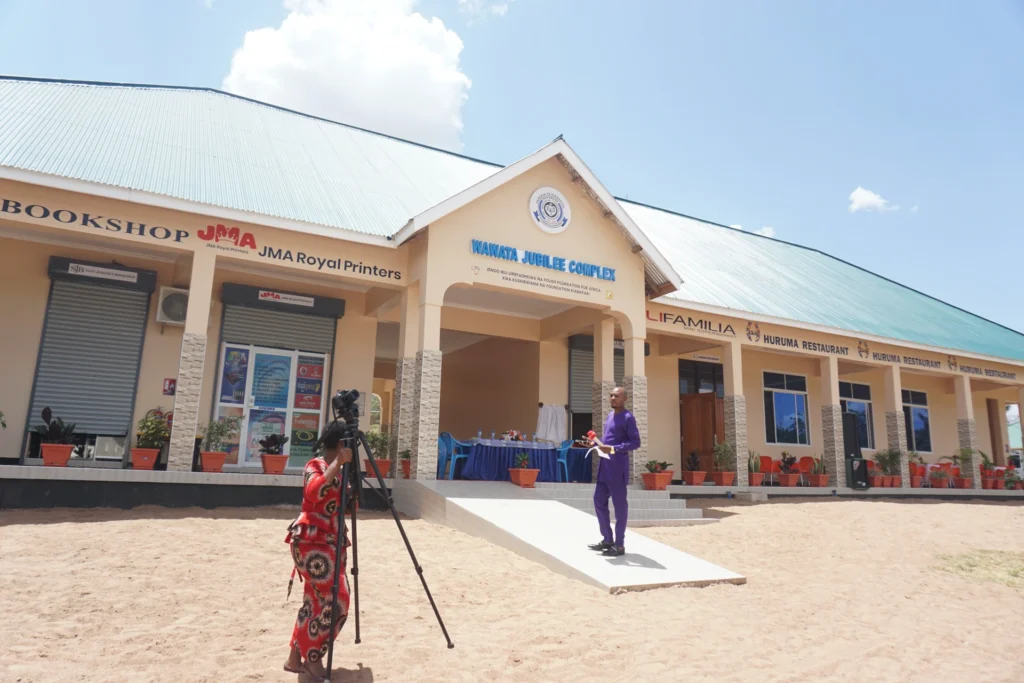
(554, 535)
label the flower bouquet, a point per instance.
(512, 435)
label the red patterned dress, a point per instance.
(312, 537)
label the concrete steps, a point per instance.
(646, 508)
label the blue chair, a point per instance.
(563, 453)
(442, 457)
(454, 450)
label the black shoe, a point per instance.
(613, 551)
(599, 547)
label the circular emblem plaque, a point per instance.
(550, 210)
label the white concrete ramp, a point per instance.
(554, 535)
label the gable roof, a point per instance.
(224, 155)
(661, 277)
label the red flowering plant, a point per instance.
(512, 435)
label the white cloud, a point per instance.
(208, 3)
(866, 200)
(375, 64)
(767, 231)
(913, 209)
(479, 9)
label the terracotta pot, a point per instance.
(986, 482)
(788, 479)
(1020, 485)
(723, 478)
(656, 481)
(144, 458)
(56, 454)
(998, 483)
(383, 465)
(212, 461)
(916, 482)
(756, 478)
(940, 482)
(897, 481)
(963, 482)
(406, 468)
(523, 477)
(694, 478)
(818, 479)
(273, 464)
(876, 481)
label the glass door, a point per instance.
(271, 391)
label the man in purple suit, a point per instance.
(621, 436)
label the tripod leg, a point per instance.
(408, 546)
(356, 488)
(345, 472)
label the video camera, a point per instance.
(346, 405)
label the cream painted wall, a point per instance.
(554, 372)
(754, 365)
(23, 269)
(663, 407)
(493, 384)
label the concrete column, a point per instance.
(191, 361)
(604, 377)
(406, 368)
(427, 393)
(832, 422)
(735, 409)
(1020, 412)
(965, 425)
(895, 421)
(635, 385)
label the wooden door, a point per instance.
(700, 423)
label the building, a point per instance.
(192, 250)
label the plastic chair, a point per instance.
(442, 457)
(456, 450)
(805, 466)
(563, 454)
(768, 466)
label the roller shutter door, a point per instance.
(278, 329)
(89, 358)
(581, 378)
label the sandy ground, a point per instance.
(837, 591)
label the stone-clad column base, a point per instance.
(636, 403)
(186, 402)
(601, 406)
(967, 431)
(896, 435)
(401, 412)
(426, 412)
(832, 444)
(735, 409)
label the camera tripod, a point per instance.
(346, 420)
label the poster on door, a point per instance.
(231, 444)
(262, 423)
(271, 377)
(305, 428)
(309, 383)
(233, 375)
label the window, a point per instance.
(698, 377)
(785, 409)
(915, 412)
(856, 398)
(375, 410)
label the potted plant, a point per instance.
(756, 476)
(406, 457)
(725, 464)
(998, 482)
(890, 460)
(380, 449)
(656, 478)
(211, 457)
(818, 475)
(693, 475)
(940, 479)
(273, 460)
(915, 461)
(1012, 479)
(56, 440)
(153, 431)
(521, 474)
(788, 476)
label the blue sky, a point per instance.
(740, 112)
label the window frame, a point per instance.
(869, 413)
(807, 409)
(907, 397)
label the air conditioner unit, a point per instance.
(172, 306)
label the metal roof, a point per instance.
(221, 150)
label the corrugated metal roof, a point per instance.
(220, 150)
(216, 149)
(738, 270)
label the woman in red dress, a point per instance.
(312, 537)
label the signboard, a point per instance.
(271, 376)
(285, 298)
(305, 428)
(309, 383)
(233, 375)
(170, 386)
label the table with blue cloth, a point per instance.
(490, 460)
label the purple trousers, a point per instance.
(614, 486)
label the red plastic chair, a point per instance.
(768, 467)
(805, 466)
